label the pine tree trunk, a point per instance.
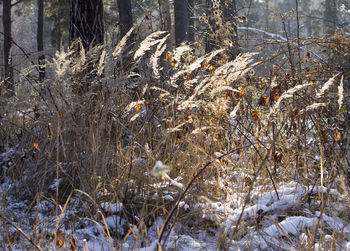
(228, 32)
(229, 10)
(267, 15)
(40, 39)
(190, 20)
(86, 22)
(164, 9)
(181, 21)
(125, 16)
(6, 19)
(330, 18)
(305, 6)
(210, 40)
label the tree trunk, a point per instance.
(181, 21)
(6, 19)
(190, 20)
(229, 10)
(40, 39)
(223, 32)
(86, 22)
(330, 18)
(125, 16)
(267, 15)
(305, 7)
(210, 40)
(164, 10)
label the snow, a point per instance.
(55, 184)
(168, 197)
(183, 205)
(267, 223)
(291, 225)
(112, 208)
(115, 223)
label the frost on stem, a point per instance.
(160, 170)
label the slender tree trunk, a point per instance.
(2, 73)
(181, 21)
(86, 22)
(330, 17)
(267, 15)
(229, 10)
(165, 25)
(210, 40)
(6, 20)
(164, 10)
(305, 7)
(289, 7)
(40, 39)
(190, 20)
(125, 16)
(223, 32)
(125, 24)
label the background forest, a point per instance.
(175, 125)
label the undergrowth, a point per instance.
(93, 132)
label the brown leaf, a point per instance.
(60, 113)
(36, 146)
(59, 238)
(263, 100)
(337, 136)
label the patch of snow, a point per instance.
(53, 186)
(115, 224)
(184, 243)
(184, 205)
(45, 206)
(112, 208)
(175, 183)
(292, 225)
(168, 197)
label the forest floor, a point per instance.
(293, 217)
(83, 170)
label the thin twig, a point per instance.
(298, 32)
(21, 232)
(289, 48)
(278, 37)
(170, 215)
(247, 199)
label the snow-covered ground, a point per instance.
(240, 220)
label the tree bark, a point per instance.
(267, 15)
(210, 40)
(190, 20)
(330, 18)
(305, 7)
(125, 16)
(181, 21)
(164, 10)
(40, 39)
(6, 19)
(86, 22)
(229, 10)
(225, 22)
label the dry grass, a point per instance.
(99, 130)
